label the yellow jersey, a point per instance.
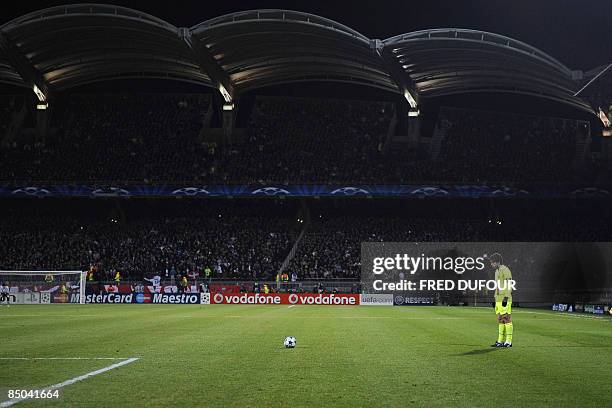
(502, 276)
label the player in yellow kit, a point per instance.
(503, 301)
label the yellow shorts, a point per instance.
(499, 309)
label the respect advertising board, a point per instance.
(416, 300)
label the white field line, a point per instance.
(71, 381)
(49, 315)
(64, 358)
(291, 306)
(317, 317)
(545, 319)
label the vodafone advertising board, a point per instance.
(284, 299)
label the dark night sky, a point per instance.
(577, 32)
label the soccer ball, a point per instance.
(290, 342)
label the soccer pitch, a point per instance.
(233, 355)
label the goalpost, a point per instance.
(23, 283)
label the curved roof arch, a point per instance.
(464, 34)
(452, 61)
(279, 14)
(265, 47)
(66, 46)
(82, 43)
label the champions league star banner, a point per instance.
(458, 273)
(28, 298)
(305, 190)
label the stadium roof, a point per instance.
(67, 46)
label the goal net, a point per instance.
(32, 287)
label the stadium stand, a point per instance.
(312, 141)
(137, 138)
(158, 239)
(152, 139)
(250, 240)
(486, 146)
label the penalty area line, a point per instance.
(64, 358)
(71, 381)
(49, 315)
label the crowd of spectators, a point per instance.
(159, 138)
(114, 139)
(312, 141)
(250, 241)
(9, 105)
(331, 248)
(486, 146)
(168, 242)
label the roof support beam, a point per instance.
(29, 74)
(603, 71)
(404, 82)
(209, 66)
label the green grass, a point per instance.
(346, 356)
